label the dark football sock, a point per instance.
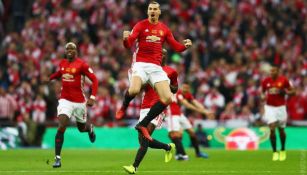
(282, 136)
(159, 145)
(141, 151)
(154, 111)
(195, 144)
(127, 99)
(86, 128)
(59, 139)
(273, 140)
(179, 146)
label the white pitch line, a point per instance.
(172, 172)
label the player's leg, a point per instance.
(272, 127)
(169, 148)
(89, 128)
(164, 92)
(80, 112)
(59, 138)
(282, 122)
(137, 77)
(282, 135)
(271, 120)
(175, 134)
(187, 126)
(195, 144)
(64, 110)
(176, 138)
(155, 143)
(131, 169)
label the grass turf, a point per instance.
(98, 161)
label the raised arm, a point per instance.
(177, 46)
(130, 37)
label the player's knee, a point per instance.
(174, 135)
(133, 91)
(62, 128)
(166, 100)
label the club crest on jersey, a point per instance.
(161, 32)
(279, 84)
(152, 38)
(73, 70)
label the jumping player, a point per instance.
(150, 35)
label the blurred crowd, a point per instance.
(233, 44)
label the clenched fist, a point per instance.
(187, 43)
(126, 34)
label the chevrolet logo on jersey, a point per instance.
(152, 38)
(68, 77)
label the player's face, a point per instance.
(153, 12)
(274, 72)
(70, 51)
(185, 88)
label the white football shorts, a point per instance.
(274, 114)
(148, 72)
(157, 121)
(177, 122)
(71, 109)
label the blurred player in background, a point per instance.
(72, 102)
(177, 121)
(150, 35)
(274, 89)
(149, 99)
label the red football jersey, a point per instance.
(73, 77)
(150, 39)
(275, 90)
(151, 97)
(175, 106)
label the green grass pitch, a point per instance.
(98, 161)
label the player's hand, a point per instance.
(90, 102)
(187, 43)
(126, 34)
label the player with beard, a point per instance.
(150, 35)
